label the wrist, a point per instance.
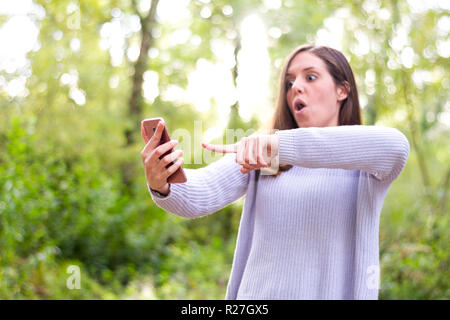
(164, 191)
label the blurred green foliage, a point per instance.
(63, 200)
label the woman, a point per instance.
(311, 231)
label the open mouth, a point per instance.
(299, 105)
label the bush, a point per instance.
(78, 212)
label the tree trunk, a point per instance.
(234, 119)
(135, 103)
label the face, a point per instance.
(310, 88)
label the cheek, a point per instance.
(325, 95)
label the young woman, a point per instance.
(311, 230)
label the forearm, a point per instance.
(207, 189)
(380, 151)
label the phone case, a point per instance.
(148, 127)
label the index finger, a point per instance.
(222, 148)
(152, 143)
(156, 137)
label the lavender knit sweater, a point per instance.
(312, 232)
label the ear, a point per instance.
(342, 91)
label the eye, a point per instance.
(289, 84)
(311, 77)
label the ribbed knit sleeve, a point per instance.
(379, 151)
(206, 190)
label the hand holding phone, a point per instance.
(162, 164)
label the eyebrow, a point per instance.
(305, 69)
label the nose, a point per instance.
(298, 86)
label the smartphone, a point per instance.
(148, 128)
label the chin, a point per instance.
(304, 125)
(307, 124)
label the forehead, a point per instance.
(305, 60)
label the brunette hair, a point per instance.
(342, 74)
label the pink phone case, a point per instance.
(148, 127)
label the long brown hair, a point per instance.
(342, 74)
